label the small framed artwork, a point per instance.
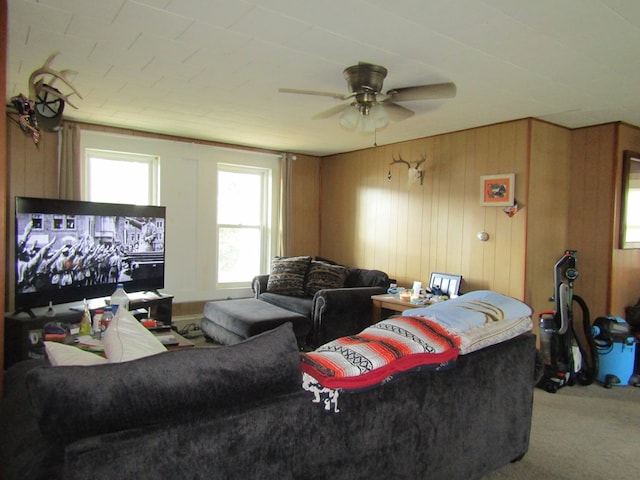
(497, 190)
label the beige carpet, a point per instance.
(581, 433)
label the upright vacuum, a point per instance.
(564, 353)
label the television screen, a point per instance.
(70, 250)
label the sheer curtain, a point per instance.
(69, 163)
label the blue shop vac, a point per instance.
(616, 348)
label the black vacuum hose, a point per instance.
(590, 370)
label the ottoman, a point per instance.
(231, 321)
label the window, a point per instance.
(118, 177)
(243, 208)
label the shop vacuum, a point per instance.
(616, 346)
(564, 352)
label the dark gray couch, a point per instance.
(240, 412)
(334, 312)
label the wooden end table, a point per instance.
(389, 301)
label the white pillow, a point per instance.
(127, 339)
(61, 354)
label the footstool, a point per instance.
(231, 321)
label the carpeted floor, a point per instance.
(581, 433)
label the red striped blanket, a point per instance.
(381, 352)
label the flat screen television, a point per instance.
(70, 250)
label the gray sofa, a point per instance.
(334, 312)
(240, 412)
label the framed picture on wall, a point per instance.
(497, 190)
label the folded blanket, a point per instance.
(473, 309)
(381, 352)
(491, 333)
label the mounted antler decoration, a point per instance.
(45, 104)
(415, 173)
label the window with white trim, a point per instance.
(243, 223)
(120, 177)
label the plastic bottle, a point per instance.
(97, 320)
(119, 298)
(107, 316)
(85, 323)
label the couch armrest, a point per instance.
(259, 284)
(341, 311)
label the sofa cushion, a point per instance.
(246, 317)
(76, 402)
(127, 339)
(299, 305)
(324, 275)
(360, 277)
(288, 275)
(60, 354)
(381, 352)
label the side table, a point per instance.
(388, 301)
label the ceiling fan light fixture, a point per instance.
(364, 118)
(379, 116)
(370, 109)
(367, 124)
(350, 117)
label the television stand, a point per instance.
(154, 305)
(23, 329)
(28, 311)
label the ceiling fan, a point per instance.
(368, 108)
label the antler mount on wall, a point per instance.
(416, 174)
(43, 108)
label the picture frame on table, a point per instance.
(497, 190)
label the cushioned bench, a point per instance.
(231, 321)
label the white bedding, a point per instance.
(480, 318)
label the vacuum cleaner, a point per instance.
(564, 353)
(616, 346)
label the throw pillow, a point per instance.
(61, 354)
(288, 275)
(324, 275)
(381, 352)
(127, 339)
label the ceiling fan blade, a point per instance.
(332, 111)
(423, 92)
(397, 112)
(339, 96)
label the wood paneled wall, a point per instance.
(591, 212)
(32, 172)
(305, 206)
(609, 276)
(547, 210)
(625, 264)
(568, 185)
(410, 231)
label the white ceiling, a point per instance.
(211, 69)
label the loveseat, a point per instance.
(240, 412)
(336, 298)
